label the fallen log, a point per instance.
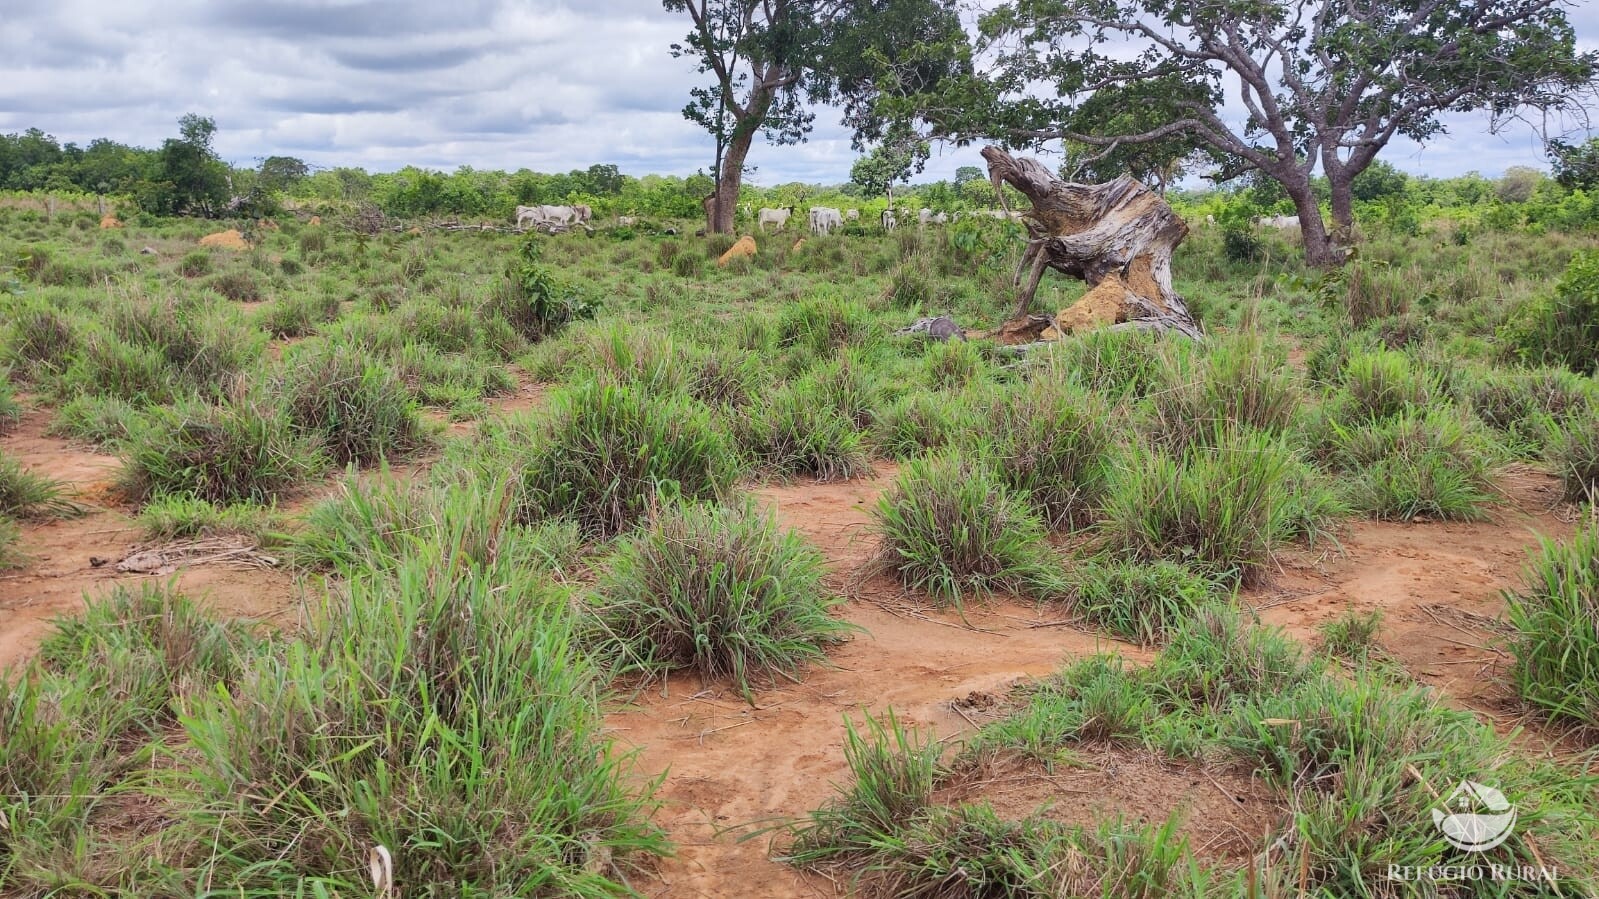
(1117, 237)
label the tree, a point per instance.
(1518, 184)
(1320, 83)
(1576, 167)
(769, 59)
(890, 163)
(195, 180)
(282, 172)
(1379, 180)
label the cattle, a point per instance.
(1279, 221)
(824, 219)
(778, 217)
(925, 217)
(890, 221)
(627, 221)
(584, 213)
(852, 215)
(551, 217)
(941, 218)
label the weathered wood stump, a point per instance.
(1118, 237)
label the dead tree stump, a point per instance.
(1118, 237)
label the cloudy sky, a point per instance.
(549, 85)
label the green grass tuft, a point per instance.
(1556, 618)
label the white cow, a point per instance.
(1279, 221)
(890, 221)
(547, 216)
(925, 217)
(778, 217)
(852, 215)
(824, 219)
(627, 221)
(584, 213)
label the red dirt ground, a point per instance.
(729, 766)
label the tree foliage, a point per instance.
(1319, 84)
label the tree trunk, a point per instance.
(1343, 209)
(1118, 237)
(728, 182)
(1319, 248)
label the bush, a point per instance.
(39, 340)
(1384, 383)
(239, 452)
(1116, 364)
(195, 264)
(951, 527)
(359, 410)
(1048, 442)
(533, 301)
(1563, 328)
(607, 452)
(1140, 602)
(298, 315)
(823, 323)
(239, 286)
(1219, 510)
(98, 420)
(1556, 621)
(1520, 404)
(1240, 244)
(1572, 450)
(24, 494)
(156, 638)
(1236, 383)
(718, 590)
(792, 432)
(452, 719)
(184, 517)
(1420, 463)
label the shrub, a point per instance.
(952, 364)
(108, 367)
(1556, 621)
(951, 527)
(823, 323)
(99, 420)
(718, 590)
(1047, 441)
(1563, 328)
(1217, 658)
(922, 421)
(359, 410)
(239, 286)
(298, 315)
(39, 340)
(1142, 602)
(1219, 510)
(1420, 463)
(195, 264)
(607, 451)
(533, 301)
(1572, 450)
(910, 286)
(436, 712)
(793, 433)
(24, 494)
(1238, 383)
(185, 517)
(1384, 383)
(153, 637)
(1116, 364)
(1240, 244)
(238, 452)
(1520, 403)
(1352, 636)
(10, 409)
(1374, 291)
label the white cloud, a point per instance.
(550, 85)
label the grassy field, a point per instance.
(520, 510)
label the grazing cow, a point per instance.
(584, 213)
(1210, 220)
(852, 215)
(941, 218)
(1279, 221)
(526, 215)
(925, 217)
(547, 216)
(824, 219)
(627, 221)
(890, 221)
(778, 217)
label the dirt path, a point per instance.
(1439, 586)
(730, 765)
(59, 573)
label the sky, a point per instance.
(549, 85)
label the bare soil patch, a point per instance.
(1223, 814)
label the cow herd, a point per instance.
(821, 219)
(552, 217)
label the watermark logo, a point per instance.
(1475, 817)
